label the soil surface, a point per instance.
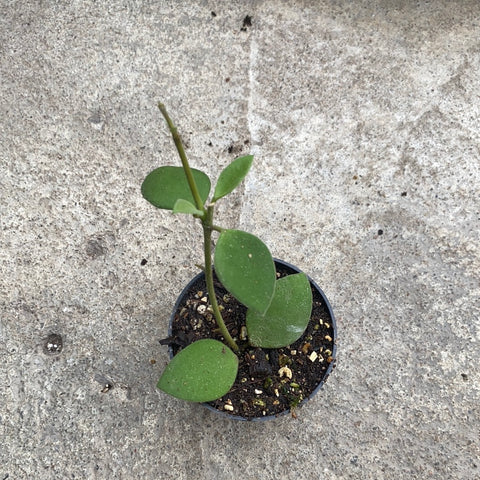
(269, 381)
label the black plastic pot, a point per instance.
(291, 269)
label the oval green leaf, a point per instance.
(231, 176)
(287, 317)
(184, 206)
(201, 372)
(245, 267)
(165, 185)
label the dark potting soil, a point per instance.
(269, 381)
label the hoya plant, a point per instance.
(278, 310)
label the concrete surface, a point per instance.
(364, 120)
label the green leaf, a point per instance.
(231, 176)
(287, 317)
(165, 185)
(245, 267)
(201, 372)
(184, 206)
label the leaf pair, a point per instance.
(168, 188)
(278, 310)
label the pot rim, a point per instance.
(320, 384)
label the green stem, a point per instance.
(208, 228)
(183, 158)
(207, 244)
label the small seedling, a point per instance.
(278, 310)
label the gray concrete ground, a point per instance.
(364, 120)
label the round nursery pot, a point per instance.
(270, 382)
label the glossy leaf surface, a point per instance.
(287, 317)
(165, 185)
(184, 206)
(231, 176)
(245, 267)
(201, 372)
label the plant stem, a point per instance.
(183, 158)
(208, 227)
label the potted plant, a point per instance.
(250, 336)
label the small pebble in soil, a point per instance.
(228, 407)
(243, 333)
(196, 323)
(285, 372)
(313, 356)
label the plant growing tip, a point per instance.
(278, 310)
